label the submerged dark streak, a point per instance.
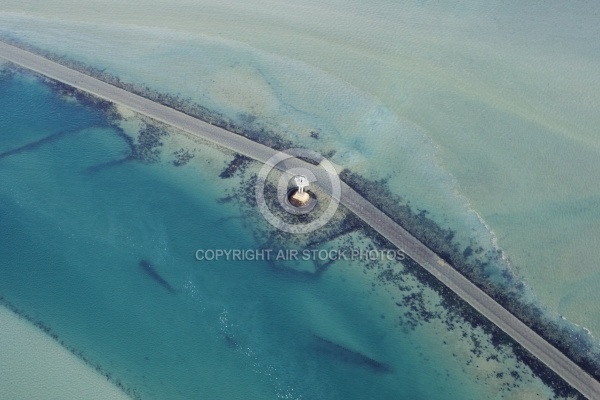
(349, 356)
(99, 167)
(39, 143)
(151, 272)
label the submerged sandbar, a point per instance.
(34, 366)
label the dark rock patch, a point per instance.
(237, 165)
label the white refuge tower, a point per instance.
(300, 197)
(301, 182)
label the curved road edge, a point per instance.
(377, 219)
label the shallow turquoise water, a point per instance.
(491, 106)
(70, 248)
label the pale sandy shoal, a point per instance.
(34, 366)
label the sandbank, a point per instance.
(34, 366)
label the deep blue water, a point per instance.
(71, 245)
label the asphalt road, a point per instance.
(377, 219)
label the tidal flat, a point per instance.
(464, 116)
(352, 308)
